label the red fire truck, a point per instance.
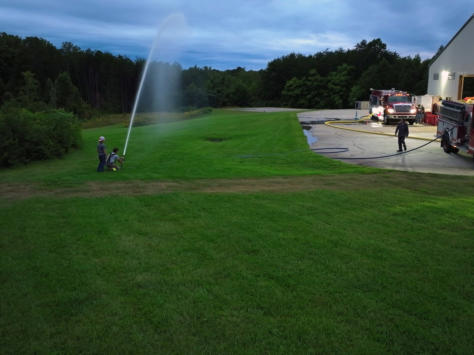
(390, 106)
(456, 127)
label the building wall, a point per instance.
(457, 58)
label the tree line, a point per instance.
(44, 90)
(36, 73)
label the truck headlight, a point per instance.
(390, 110)
(413, 110)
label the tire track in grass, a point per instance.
(428, 183)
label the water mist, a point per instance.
(163, 79)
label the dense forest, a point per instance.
(37, 75)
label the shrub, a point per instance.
(26, 136)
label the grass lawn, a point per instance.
(339, 268)
(224, 144)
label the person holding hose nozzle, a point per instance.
(113, 159)
(402, 130)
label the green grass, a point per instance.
(212, 146)
(363, 269)
(192, 273)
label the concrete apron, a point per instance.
(429, 159)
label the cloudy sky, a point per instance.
(224, 34)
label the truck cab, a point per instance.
(390, 106)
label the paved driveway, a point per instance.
(428, 159)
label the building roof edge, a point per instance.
(452, 39)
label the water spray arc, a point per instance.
(169, 20)
(135, 104)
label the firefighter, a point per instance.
(402, 130)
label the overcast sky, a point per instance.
(224, 34)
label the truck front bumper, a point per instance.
(399, 117)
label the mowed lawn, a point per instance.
(223, 144)
(348, 269)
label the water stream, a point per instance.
(175, 24)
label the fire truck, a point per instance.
(390, 106)
(456, 127)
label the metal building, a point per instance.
(451, 73)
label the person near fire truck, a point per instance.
(420, 113)
(402, 130)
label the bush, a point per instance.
(26, 136)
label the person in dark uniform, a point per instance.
(402, 130)
(101, 153)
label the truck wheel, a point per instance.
(411, 122)
(455, 150)
(447, 149)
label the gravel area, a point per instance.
(266, 109)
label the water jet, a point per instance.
(177, 23)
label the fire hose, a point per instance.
(335, 150)
(344, 149)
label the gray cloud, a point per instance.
(232, 33)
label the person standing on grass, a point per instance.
(402, 130)
(101, 151)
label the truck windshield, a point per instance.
(396, 99)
